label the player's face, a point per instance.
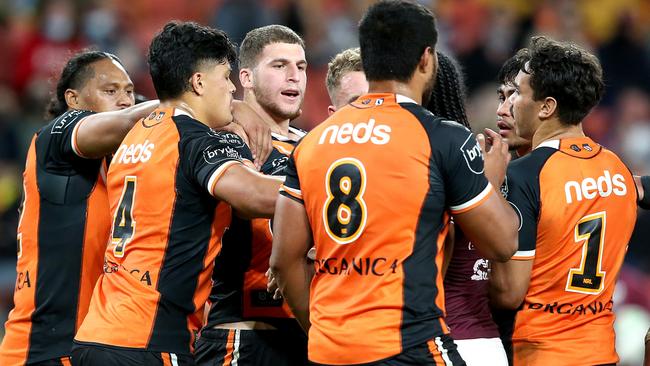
(109, 89)
(352, 85)
(219, 91)
(505, 121)
(524, 109)
(279, 79)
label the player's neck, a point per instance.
(396, 87)
(183, 106)
(556, 130)
(277, 125)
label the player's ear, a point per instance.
(428, 59)
(196, 82)
(72, 98)
(548, 108)
(246, 78)
(330, 110)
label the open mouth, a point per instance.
(293, 94)
(504, 128)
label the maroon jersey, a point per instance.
(466, 293)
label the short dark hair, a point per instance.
(448, 94)
(258, 38)
(75, 74)
(179, 50)
(567, 73)
(393, 35)
(511, 67)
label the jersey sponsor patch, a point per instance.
(227, 138)
(216, 155)
(65, 120)
(473, 156)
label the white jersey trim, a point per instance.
(474, 200)
(555, 144)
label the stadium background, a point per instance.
(36, 38)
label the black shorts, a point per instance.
(62, 361)
(96, 355)
(440, 351)
(226, 347)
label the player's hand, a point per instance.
(233, 127)
(272, 285)
(496, 157)
(259, 133)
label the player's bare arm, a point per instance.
(100, 134)
(509, 282)
(492, 226)
(251, 194)
(258, 133)
(289, 263)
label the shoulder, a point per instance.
(532, 162)
(63, 122)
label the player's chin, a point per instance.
(291, 112)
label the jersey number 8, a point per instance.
(345, 210)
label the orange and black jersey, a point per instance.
(62, 235)
(577, 203)
(239, 281)
(378, 180)
(167, 230)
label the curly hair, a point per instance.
(258, 38)
(567, 73)
(180, 50)
(393, 35)
(343, 63)
(75, 74)
(448, 95)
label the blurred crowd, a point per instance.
(38, 36)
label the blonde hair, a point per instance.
(343, 63)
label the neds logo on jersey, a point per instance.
(589, 188)
(359, 133)
(473, 156)
(134, 153)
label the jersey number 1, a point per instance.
(589, 278)
(123, 224)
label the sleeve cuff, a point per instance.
(474, 202)
(73, 140)
(524, 255)
(292, 193)
(217, 174)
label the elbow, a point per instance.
(507, 300)
(503, 248)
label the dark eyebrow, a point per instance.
(286, 61)
(116, 85)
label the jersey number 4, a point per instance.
(123, 223)
(345, 210)
(589, 277)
